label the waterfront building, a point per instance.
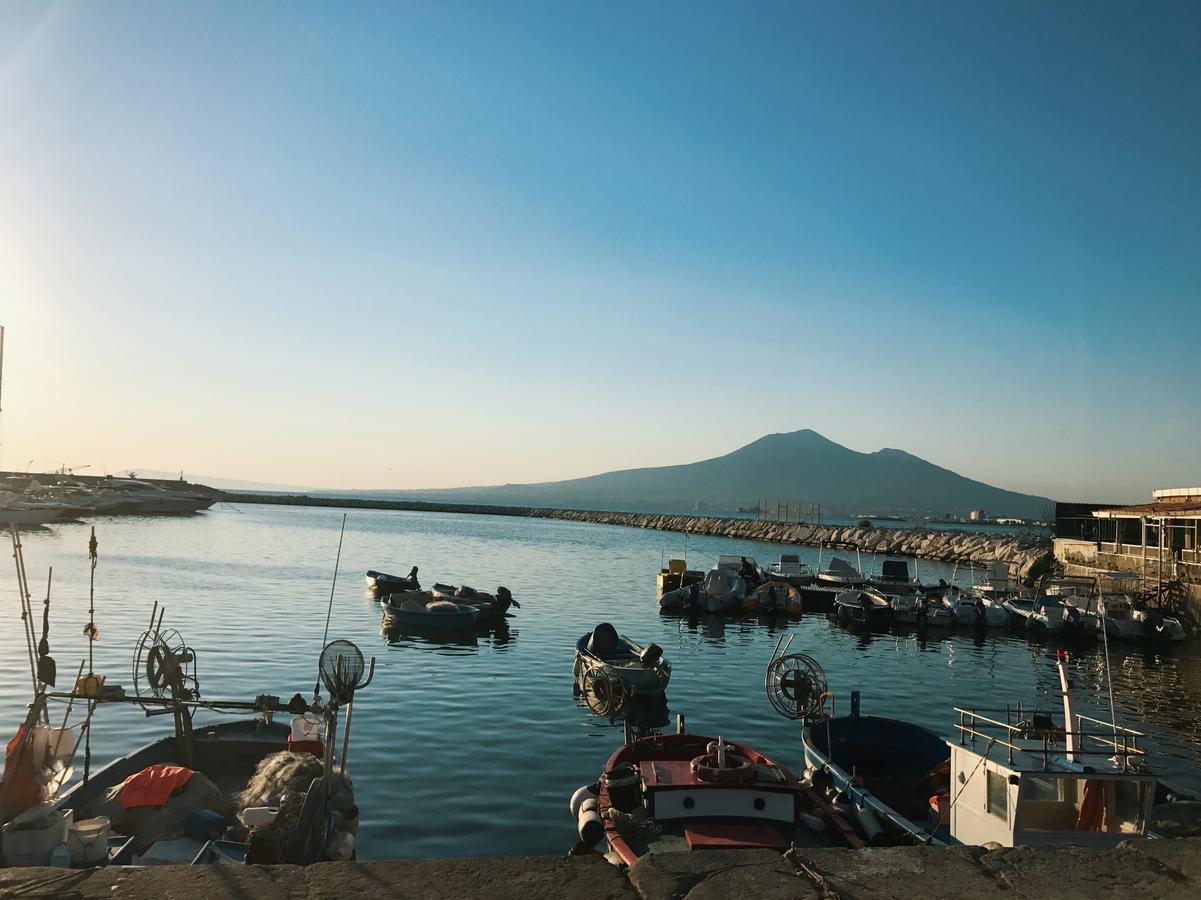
(1160, 541)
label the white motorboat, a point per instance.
(1127, 622)
(893, 578)
(841, 573)
(722, 590)
(973, 610)
(791, 570)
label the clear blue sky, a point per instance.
(415, 245)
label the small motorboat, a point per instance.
(381, 584)
(864, 607)
(491, 607)
(421, 609)
(841, 573)
(894, 579)
(605, 660)
(773, 597)
(791, 571)
(676, 575)
(690, 598)
(972, 610)
(723, 590)
(1128, 622)
(1020, 609)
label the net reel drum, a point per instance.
(795, 684)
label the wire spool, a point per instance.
(796, 685)
(342, 668)
(605, 694)
(162, 659)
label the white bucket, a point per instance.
(88, 841)
(306, 728)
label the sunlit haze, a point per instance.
(420, 245)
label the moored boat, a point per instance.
(774, 597)
(381, 584)
(893, 578)
(840, 573)
(611, 662)
(421, 609)
(791, 570)
(864, 607)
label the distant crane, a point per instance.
(64, 469)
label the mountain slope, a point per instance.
(801, 465)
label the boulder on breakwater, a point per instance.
(1027, 554)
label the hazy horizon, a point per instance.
(443, 245)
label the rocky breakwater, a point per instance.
(1029, 555)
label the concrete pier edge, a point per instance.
(1143, 868)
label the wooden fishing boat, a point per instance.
(882, 765)
(617, 662)
(250, 790)
(681, 792)
(421, 609)
(381, 584)
(490, 607)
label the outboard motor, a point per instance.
(652, 655)
(504, 599)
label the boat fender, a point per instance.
(867, 823)
(588, 791)
(813, 823)
(589, 824)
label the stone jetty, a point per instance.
(1164, 870)
(1029, 554)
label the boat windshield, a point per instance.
(1077, 803)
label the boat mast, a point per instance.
(1072, 739)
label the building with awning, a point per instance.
(1159, 541)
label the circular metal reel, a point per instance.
(162, 658)
(796, 684)
(604, 694)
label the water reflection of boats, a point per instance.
(397, 634)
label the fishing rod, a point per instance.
(330, 610)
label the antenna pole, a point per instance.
(330, 611)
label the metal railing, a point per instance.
(1043, 737)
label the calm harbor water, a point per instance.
(473, 746)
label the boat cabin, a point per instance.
(1028, 781)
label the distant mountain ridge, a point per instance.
(799, 465)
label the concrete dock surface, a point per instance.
(1148, 869)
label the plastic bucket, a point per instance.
(88, 841)
(306, 727)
